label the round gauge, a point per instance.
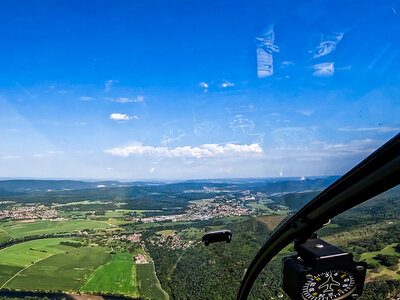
(329, 285)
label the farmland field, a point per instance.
(166, 232)
(117, 276)
(3, 236)
(271, 221)
(25, 253)
(64, 271)
(15, 258)
(148, 284)
(20, 229)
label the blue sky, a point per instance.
(195, 89)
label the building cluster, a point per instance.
(28, 213)
(216, 210)
(140, 259)
(212, 208)
(129, 237)
(171, 241)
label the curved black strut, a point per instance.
(379, 172)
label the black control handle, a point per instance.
(224, 235)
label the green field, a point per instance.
(117, 276)
(161, 224)
(4, 237)
(147, 283)
(20, 229)
(25, 253)
(382, 270)
(193, 233)
(17, 257)
(64, 271)
(261, 205)
(166, 232)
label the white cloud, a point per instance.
(151, 170)
(120, 117)
(85, 98)
(324, 69)
(328, 44)
(205, 86)
(227, 84)
(10, 157)
(287, 63)
(377, 129)
(265, 48)
(48, 153)
(126, 100)
(206, 150)
(108, 84)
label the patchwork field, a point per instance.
(117, 276)
(17, 257)
(65, 271)
(21, 229)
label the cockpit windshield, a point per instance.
(135, 132)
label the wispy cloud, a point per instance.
(265, 48)
(259, 138)
(12, 130)
(319, 150)
(226, 84)
(48, 153)
(80, 123)
(204, 85)
(126, 100)
(11, 157)
(203, 151)
(85, 98)
(324, 69)
(243, 124)
(203, 127)
(172, 136)
(122, 117)
(307, 112)
(108, 85)
(379, 56)
(287, 63)
(377, 129)
(328, 44)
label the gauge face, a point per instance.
(328, 285)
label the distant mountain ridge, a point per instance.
(266, 185)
